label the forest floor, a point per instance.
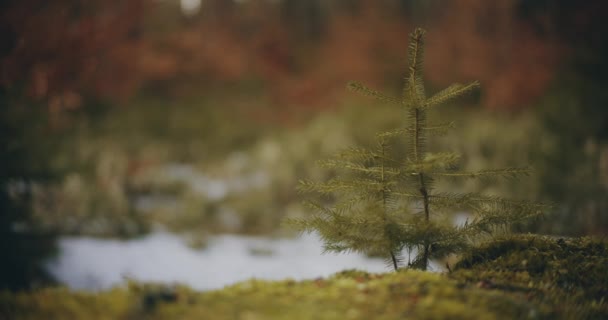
(519, 277)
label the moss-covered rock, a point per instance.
(525, 277)
(568, 274)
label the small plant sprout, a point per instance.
(383, 200)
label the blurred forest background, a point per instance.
(199, 116)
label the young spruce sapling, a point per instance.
(384, 199)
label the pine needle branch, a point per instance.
(342, 164)
(434, 161)
(508, 173)
(441, 128)
(360, 154)
(363, 90)
(413, 91)
(438, 129)
(392, 133)
(362, 186)
(473, 201)
(372, 171)
(451, 92)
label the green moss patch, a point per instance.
(571, 275)
(347, 295)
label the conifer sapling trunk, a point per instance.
(385, 201)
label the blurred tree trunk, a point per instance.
(23, 247)
(305, 18)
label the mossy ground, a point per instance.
(569, 275)
(526, 277)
